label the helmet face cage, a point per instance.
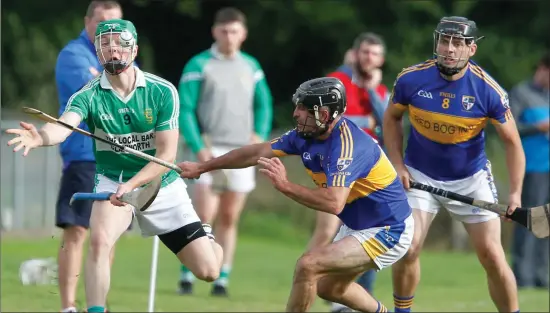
(452, 35)
(115, 42)
(314, 102)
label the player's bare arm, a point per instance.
(29, 137)
(393, 139)
(326, 227)
(239, 158)
(330, 200)
(166, 143)
(515, 160)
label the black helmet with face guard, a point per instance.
(449, 29)
(328, 92)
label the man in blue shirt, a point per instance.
(529, 105)
(77, 64)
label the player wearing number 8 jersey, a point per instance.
(139, 110)
(450, 99)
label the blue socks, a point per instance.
(96, 309)
(403, 304)
(381, 308)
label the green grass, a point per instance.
(260, 280)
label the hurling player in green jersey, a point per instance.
(139, 110)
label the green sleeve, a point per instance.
(263, 101)
(168, 115)
(78, 103)
(263, 109)
(189, 94)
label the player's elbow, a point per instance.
(335, 207)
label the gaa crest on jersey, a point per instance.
(148, 115)
(343, 163)
(468, 102)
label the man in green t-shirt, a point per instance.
(139, 110)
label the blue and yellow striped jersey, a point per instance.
(447, 138)
(351, 158)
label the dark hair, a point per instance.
(106, 4)
(369, 38)
(229, 15)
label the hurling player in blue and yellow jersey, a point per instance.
(450, 99)
(355, 181)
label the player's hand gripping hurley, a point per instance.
(47, 118)
(536, 219)
(140, 198)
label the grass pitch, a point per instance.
(260, 280)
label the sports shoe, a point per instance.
(185, 287)
(219, 291)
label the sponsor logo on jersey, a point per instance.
(137, 141)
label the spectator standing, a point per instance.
(225, 104)
(529, 104)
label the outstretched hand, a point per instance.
(28, 138)
(275, 170)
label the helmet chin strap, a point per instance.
(316, 113)
(322, 127)
(448, 71)
(115, 67)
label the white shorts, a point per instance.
(236, 180)
(384, 245)
(479, 186)
(171, 209)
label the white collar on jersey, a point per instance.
(220, 56)
(140, 79)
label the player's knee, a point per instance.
(100, 245)
(492, 257)
(307, 266)
(208, 271)
(413, 253)
(227, 218)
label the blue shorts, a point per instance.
(77, 177)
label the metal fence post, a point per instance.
(19, 194)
